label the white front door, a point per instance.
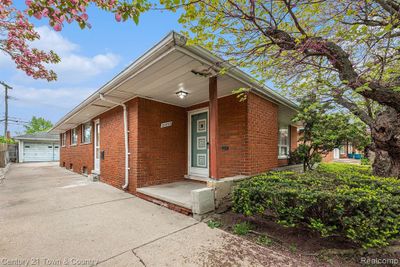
(198, 143)
(336, 153)
(97, 146)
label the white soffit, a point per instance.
(159, 74)
(160, 82)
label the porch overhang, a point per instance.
(165, 69)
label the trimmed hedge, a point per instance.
(335, 199)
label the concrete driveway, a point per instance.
(52, 217)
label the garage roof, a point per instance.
(40, 136)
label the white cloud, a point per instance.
(5, 60)
(64, 98)
(52, 40)
(74, 67)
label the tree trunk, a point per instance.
(386, 143)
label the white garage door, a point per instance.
(41, 152)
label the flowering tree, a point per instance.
(348, 50)
(16, 30)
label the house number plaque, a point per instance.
(166, 124)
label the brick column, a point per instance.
(214, 144)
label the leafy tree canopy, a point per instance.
(38, 125)
(346, 51)
(325, 129)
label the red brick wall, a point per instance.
(162, 154)
(112, 167)
(328, 157)
(79, 155)
(283, 162)
(133, 107)
(262, 134)
(294, 138)
(232, 119)
(159, 155)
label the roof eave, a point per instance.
(174, 39)
(168, 40)
(240, 75)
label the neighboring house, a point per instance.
(342, 152)
(166, 118)
(40, 146)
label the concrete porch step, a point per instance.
(198, 178)
(178, 193)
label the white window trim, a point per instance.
(288, 143)
(63, 139)
(83, 133)
(74, 144)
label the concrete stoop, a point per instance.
(93, 177)
(223, 189)
(201, 198)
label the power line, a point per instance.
(6, 87)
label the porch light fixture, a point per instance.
(182, 94)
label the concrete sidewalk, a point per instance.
(54, 217)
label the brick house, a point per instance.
(168, 120)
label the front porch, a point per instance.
(178, 193)
(195, 197)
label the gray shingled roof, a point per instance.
(39, 136)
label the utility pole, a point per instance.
(6, 87)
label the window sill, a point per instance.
(88, 143)
(73, 145)
(283, 157)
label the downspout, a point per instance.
(125, 186)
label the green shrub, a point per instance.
(264, 240)
(4, 140)
(365, 161)
(242, 228)
(335, 199)
(214, 224)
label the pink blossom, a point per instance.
(19, 32)
(37, 15)
(57, 27)
(45, 12)
(118, 17)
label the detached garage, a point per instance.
(38, 147)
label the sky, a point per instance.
(89, 58)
